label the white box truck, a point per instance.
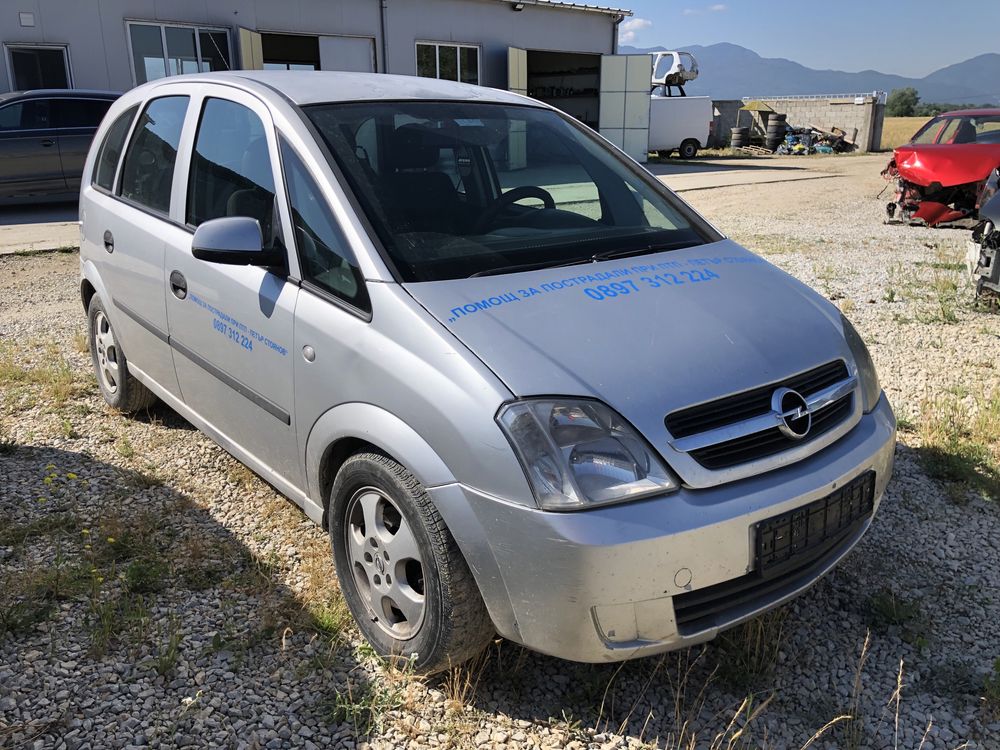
(679, 123)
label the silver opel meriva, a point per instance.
(525, 387)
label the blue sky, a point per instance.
(909, 37)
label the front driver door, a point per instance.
(29, 150)
(231, 326)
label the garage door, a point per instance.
(352, 53)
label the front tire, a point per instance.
(118, 386)
(688, 149)
(400, 570)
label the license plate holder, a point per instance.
(799, 536)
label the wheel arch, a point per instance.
(350, 428)
(91, 284)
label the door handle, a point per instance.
(48, 142)
(178, 284)
(109, 241)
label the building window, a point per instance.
(450, 62)
(38, 68)
(160, 50)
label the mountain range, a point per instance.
(729, 71)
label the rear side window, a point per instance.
(78, 113)
(324, 253)
(148, 169)
(27, 115)
(231, 171)
(111, 149)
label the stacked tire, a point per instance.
(740, 137)
(776, 129)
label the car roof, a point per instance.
(61, 93)
(305, 87)
(970, 112)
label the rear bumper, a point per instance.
(599, 585)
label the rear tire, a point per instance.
(120, 389)
(688, 149)
(400, 570)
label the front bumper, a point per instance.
(598, 585)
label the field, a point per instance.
(155, 593)
(898, 130)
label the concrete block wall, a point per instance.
(864, 112)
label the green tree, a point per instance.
(902, 102)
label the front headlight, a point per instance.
(871, 390)
(579, 453)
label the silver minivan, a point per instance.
(526, 388)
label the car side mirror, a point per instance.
(235, 241)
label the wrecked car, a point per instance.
(984, 247)
(941, 172)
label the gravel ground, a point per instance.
(153, 592)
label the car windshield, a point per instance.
(458, 189)
(960, 129)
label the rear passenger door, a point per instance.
(76, 120)
(29, 150)
(231, 326)
(128, 219)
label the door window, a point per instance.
(324, 253)
(78, 113)
(27, 115)
(148, 170)
(111, 149)
(231, 169)
(39, 68)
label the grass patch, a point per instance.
(145, 576)
(748, 654)
(57, 524)
(365, 703)
(123, 446)
(960, 441)
(991, 691)
(888, 611)
(169, 649)
(52, 375)
(111, 618)
(30, 598)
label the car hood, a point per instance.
(671, 342)
(947, 164)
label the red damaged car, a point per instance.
(941, 172)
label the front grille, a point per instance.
(755, 402)
(770, 442)
(705, 417)
(791, 550)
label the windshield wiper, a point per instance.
(528, 267)
(605, 255)
(645, 249)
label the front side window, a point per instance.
(231, 171)
(324, 253)
(148, 169)
(450, 62)
(160, 50)
(463, 188)
(111, 149)
(27, 115)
